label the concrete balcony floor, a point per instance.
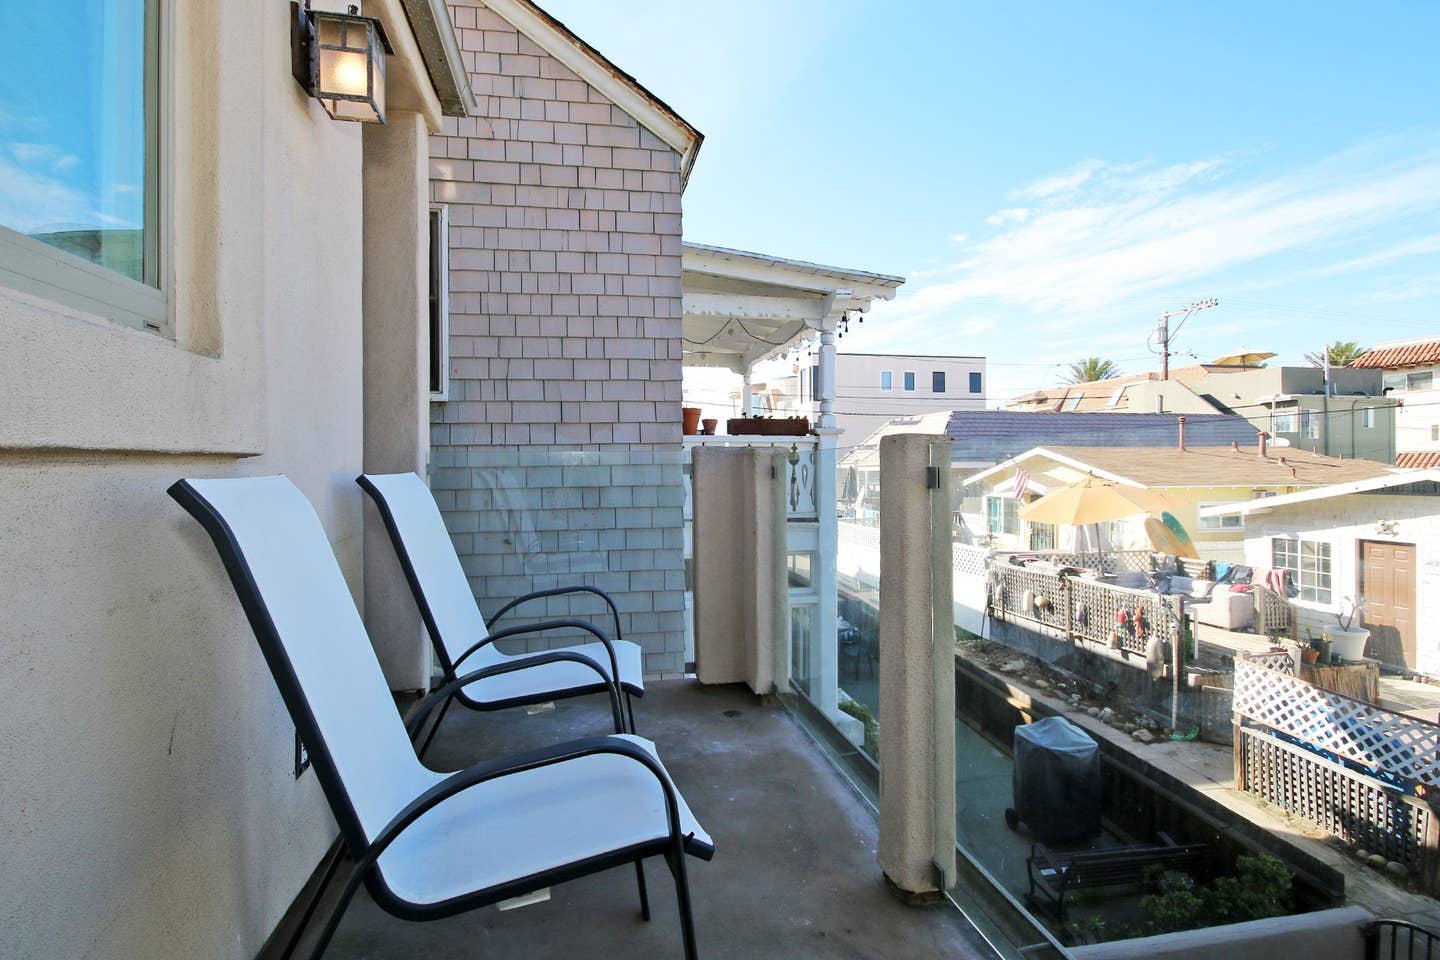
(794, 874)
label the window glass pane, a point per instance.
(937, 381)
(887, 380)
(975, 383)
(439, 262)
(801, 570)
(1420, 381)
(73, 130)
(1394, 381)
(910, 380)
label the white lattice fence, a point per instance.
(1096, 607)
(1279, 662)
(1404, 746)
(1017, 592)
(969, 560)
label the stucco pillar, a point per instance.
(917, 664)
(396, 372)
(825, 652)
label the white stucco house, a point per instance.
(1374, 542)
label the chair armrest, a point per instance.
(561, 591)
(520, 763)
(549, 625)
(443, 693)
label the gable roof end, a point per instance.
(595, 68)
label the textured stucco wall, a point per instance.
(565, 300)
(149, 807)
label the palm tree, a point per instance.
(1091, 369)
(1342, 354)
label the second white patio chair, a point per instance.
(457, 629)
(429, 845)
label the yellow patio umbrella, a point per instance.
(1094, 501)
(1244, 357)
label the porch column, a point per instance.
(825, 390)
(825, 665)
(747, 394)
(396, 403)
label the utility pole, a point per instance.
(1163, 331)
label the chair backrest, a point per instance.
(284, 571)
(427, 554)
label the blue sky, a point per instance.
(1051, 176)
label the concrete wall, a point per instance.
(564, 336)
(1343, 522)
(149, 806)
(1417, 421)
(1323, 935)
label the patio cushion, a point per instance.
(529, 822)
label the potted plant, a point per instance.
(690, 420)
(1347, 641)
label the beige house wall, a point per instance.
(149, 806)
(565, 325)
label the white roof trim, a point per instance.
(591, 66)
(1396, 479)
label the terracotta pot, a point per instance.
(1309, 655)
(709, 425)
(690, 420)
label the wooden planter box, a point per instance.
(761, 427)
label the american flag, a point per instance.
(1022, 483)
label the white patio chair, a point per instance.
(429, 845)
(458, 630)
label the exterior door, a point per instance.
(1387, 589)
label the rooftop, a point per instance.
(1170, 466)
(990, 436)
(1418, 460)
(794, 873)
(1400, 354)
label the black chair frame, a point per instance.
(672, 847)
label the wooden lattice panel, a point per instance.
(1393, 742)
(1015, 582)
(1339, 801)
(1273, 613)
(1080, 607)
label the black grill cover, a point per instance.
(1057, 781)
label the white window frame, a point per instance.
(887, 380)
(443, 299)
(1316, 586)
(1367, 418)
(1221, 524)
(1009, 516)
(39, 269)
(1285, 421)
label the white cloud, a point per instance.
(1136, 231)
(1008, 215)
(958, 238)
(1060, 183)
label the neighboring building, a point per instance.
(1353, 418)
(1410, 373)
(983, 438)
(874, 388)
(1194, 477)
(1374, 541)
(272, 319)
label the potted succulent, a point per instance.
(1347, 641)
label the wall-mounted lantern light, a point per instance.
(339, 58)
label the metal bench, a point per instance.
(1056, 872)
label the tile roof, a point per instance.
(1221, 466)
(1418, 460)
(1407, 355)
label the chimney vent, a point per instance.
(1262, 438)
(1235, 445)
(1182, 433)
(1293, 472)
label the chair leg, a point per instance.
(630, 705)
(314, 902)
(436, 728)
(351, 886)
(644, 896)
(676, 860)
